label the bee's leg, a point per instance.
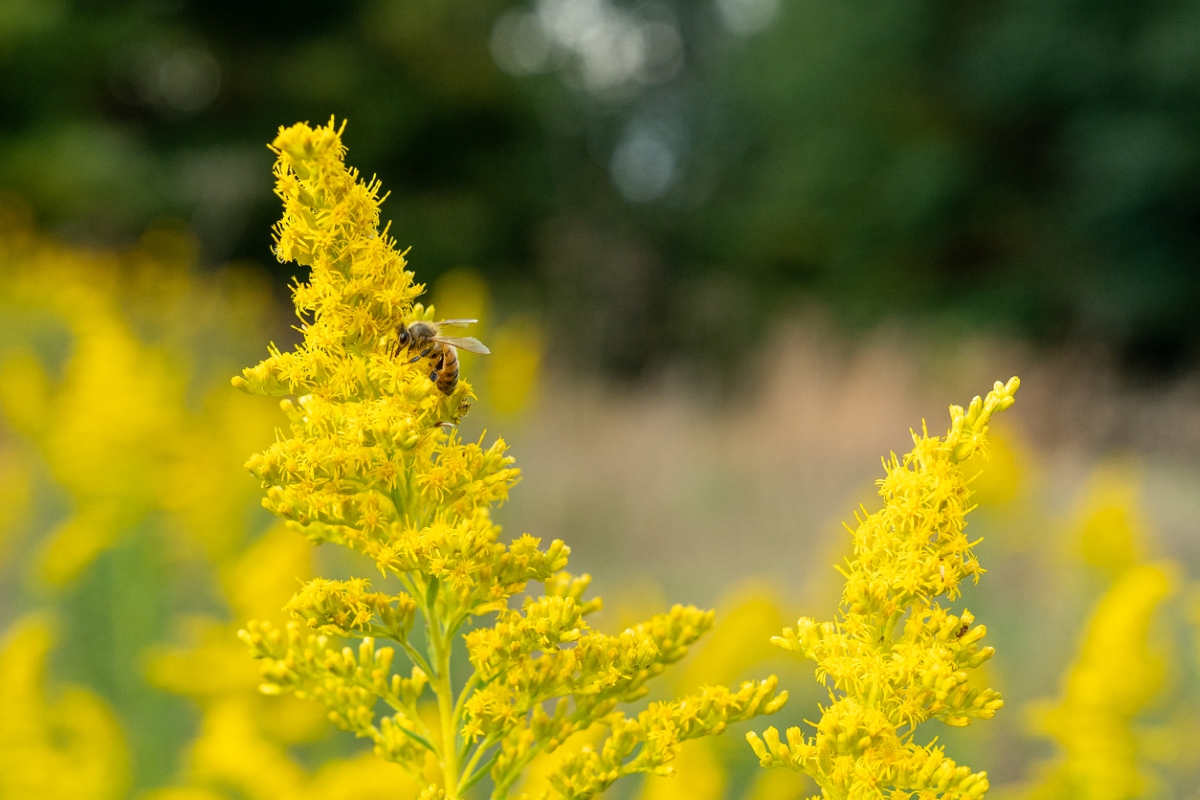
(421, 355)
(433, 375)
(441, 362)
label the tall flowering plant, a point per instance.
(895, 657)
(373, 463)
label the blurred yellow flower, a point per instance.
(1118, 672)
(463, 293)
(15, 484)
(116, 424)
(513, 377)
(68, 746)
(1111, 534)
(1116, 675)
(241, 750)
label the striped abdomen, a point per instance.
(446, 372)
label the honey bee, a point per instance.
(425, 339)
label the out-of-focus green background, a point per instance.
(645, 171)
(726, 253)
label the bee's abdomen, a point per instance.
(447, 376)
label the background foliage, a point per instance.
(1027, 165)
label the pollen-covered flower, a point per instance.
(373, 462)
(895, 657)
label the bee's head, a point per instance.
(403, 335)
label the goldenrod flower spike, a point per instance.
(1116, 675)
(895, 657)
(372, 464)
(67, 744)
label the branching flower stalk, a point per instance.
(895, 657)
(373, 463)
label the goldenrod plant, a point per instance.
(131, 551)
(124, 465)
(895, 657)
(374, 463)
(101, 381)
(1114, 678)
(1104, 753)
(61, 744)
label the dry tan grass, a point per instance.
(758, 485)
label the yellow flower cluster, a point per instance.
(652, 737)
(895, 657)
(374, 463)
(68, 747)
(1104, 751)
(1113, 680)
(116, 419)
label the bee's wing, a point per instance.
(466, 343)
(455, 323)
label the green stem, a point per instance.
(889, 628)
(401, 639)
(416, 737)
(472, 682)
(399, 502)
(417, 659)
(470, 776)
(474, 778)
(442, 687)
(514, 772)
